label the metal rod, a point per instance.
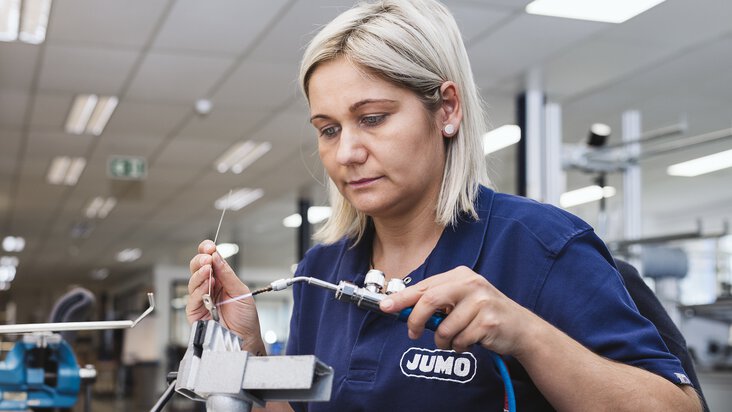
(67, 326)
(685, 143)
(649, 136)
(164, 398)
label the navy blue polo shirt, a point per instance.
(542, 257)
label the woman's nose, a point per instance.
(350, 148)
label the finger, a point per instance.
(200, 276)
(432, 300)
(226, 277)
(481, 329)
(195, 309)
(409, 296)
(207, 247)
(198, 261)
(454, 324)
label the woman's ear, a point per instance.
(450, 113)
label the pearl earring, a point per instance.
(449, 129)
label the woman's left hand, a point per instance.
(477, 312)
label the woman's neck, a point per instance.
(401, 245)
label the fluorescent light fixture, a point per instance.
(585, 195)
(90, 113)
(9, 20)
(129, 255)
(30, 27)
(13, 244)
(608, 11)
(102, 113)
(34, 21)
(7, 273)
(227, 249)
(99, 207)
(316, 214)
(294, 220)
(241, 155)
(238, 199)
(9, 261)
(65, 170)
(702, 165)
(99, 274)
(500, 138)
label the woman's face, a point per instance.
(378, 143)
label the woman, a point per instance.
(398, 120)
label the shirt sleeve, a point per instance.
(584, 296)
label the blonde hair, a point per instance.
(414, 44)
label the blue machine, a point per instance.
(40, 371)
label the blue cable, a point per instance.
(507, 384)
(434, 322)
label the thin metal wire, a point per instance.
(216, 237)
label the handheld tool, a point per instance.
(367, 297)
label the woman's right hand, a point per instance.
(239, 316)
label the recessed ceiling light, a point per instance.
(13, 244)
(129, 255)
(500, 138)
(316, 214)
(294, 220)
(238, 199)
(608, 11)
(702, 165)
(65, 170)
(241, 155)
(9, 261)
(585, 195)
(30, 27)
(100, 274)
(99, 207)
(90, 113)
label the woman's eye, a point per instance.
(329, 131)
(373, 120)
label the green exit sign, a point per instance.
(127, 167)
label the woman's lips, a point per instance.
(360, 183)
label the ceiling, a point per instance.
(160, 56)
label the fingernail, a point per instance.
(387, 304)
(203, 260)
(412, 335)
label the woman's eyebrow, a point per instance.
(354, 107)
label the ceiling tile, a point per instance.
(474, 18)
(259, 86)
(525, 42)
(14, 105)
(104, 22)
(50, 112)
(139, 117)
(85, 70)
(215, 26)
(676, 23)
(168, 78)
(224, 124)
(289, 36)
(18, 61)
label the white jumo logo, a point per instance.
(444, 365)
